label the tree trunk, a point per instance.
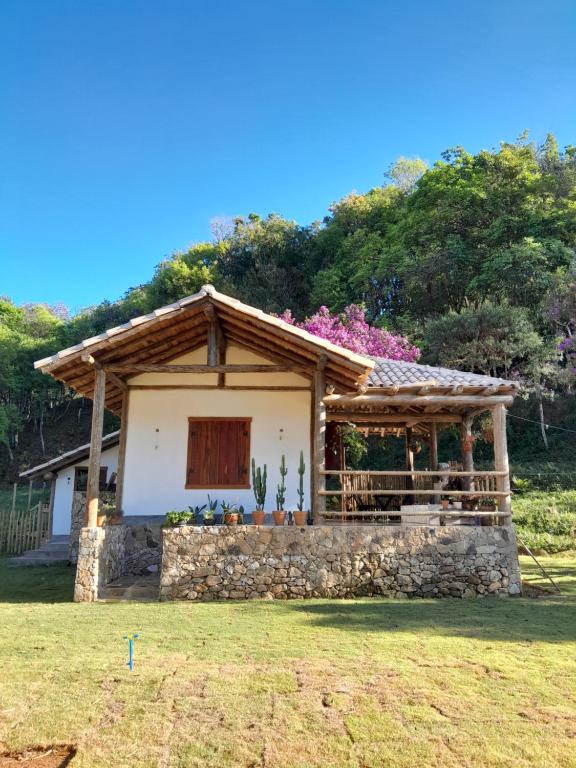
(542, 422)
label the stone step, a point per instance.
(46, 552)
(23, 560)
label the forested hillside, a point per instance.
(473, 260)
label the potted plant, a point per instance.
(259, 477)
(445, 503)
(105, 514)
(196, 512)
(279, 513)
(470, 503)
(172, 518)
(488, 504)
(230, 514)
(210, 514)
(186, 517)
(301, 516)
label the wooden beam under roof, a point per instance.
(199, 368)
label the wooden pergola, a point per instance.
(344, 386)
(423, 408)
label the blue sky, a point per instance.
(126, 126)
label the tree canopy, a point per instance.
(472, 260)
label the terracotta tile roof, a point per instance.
(389, 373)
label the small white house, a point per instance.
(68, 473)
(208, 384)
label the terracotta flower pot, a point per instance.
(100, 521)
(445, 503)
(300, 518)
(231, 518)
(279, 516)
(258, 517)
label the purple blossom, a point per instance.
(351, 331)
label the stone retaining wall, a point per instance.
(239, 562)
(101, 558)
(105, 554)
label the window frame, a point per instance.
(196, 486)
(102, 479)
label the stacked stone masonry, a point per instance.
(101, 558)
(241, 562)
(105, 554)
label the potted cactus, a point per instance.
(259, 477)
(300, 515)
(279, 513)
(209, 516)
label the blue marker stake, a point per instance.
(131, 639)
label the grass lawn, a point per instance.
(363, 683)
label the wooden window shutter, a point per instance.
(218, 453)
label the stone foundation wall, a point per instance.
(105, 554)
(101, 558)
(239, 562)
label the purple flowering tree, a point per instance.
(562, 312)
(350, 329)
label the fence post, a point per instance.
(39, 525)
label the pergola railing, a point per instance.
(482, 483)
(421, 486)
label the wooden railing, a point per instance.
(22, 529)
(365, 494)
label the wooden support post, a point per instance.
(29, 502)
(501, 460)
(409, 463)
(122, 453)
(221, 357)
(467, 445)
(433, 445)
(212, 343)
(93, 485)
(319, 441)
(434, 457)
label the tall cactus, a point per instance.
(301, 470)
(259, 478)
(281, 492)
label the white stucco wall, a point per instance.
(157, 436)
(62, 512)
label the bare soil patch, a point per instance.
(39, 757)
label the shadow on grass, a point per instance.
(36, 584)
(502, 619)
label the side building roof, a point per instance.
(69, 458)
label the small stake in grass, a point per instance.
(130, 639)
